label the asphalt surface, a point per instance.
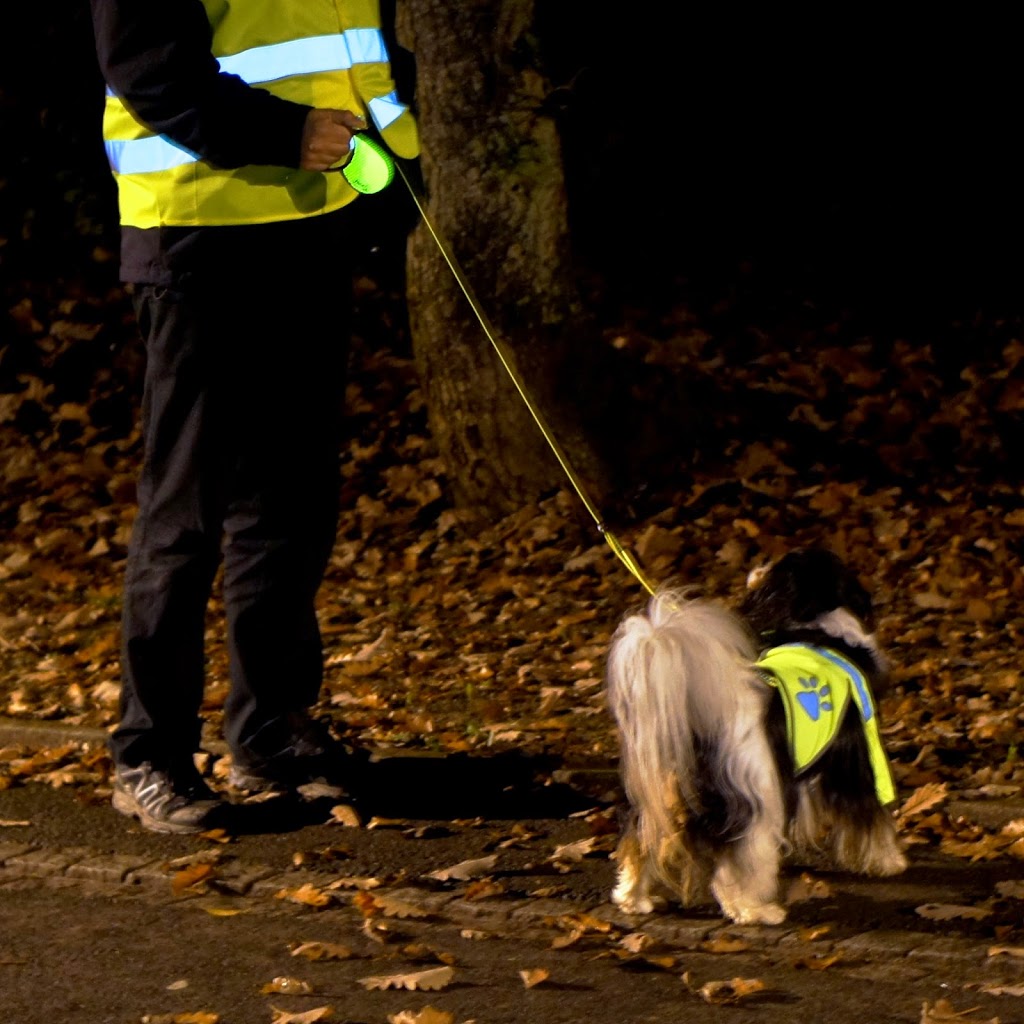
(101, 921)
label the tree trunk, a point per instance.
(493, 174)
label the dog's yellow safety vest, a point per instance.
(325, 54)
(816, 685)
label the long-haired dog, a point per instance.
(747, 736)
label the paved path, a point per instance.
(98, 923)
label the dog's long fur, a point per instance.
(704, 758)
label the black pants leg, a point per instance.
(241, 423)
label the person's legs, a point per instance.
(172, 559)
(282, 517)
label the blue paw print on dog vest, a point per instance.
(814, 698)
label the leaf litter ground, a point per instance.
(449, 636)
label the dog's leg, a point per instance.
(868, 850)
(745, 876)
(634, 878)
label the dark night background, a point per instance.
(868, 155)
(799, 172)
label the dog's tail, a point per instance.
(690, 712)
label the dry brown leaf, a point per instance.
(191, 877)
(286, 986)
(467, 869)
(534, 976)
(482, 889)
(569, 939)
(724, 944)
(314, 1016)
(1003, 990)
(220, 911)
(322, 951)
(734, 990)
(307, 894)
(807, 887)
(1014, 951)
(636, 942)
(924, 798)
(392, 907)
(814, 931)
(942, 1012)
(428, 1015)
(818, 962)
(1013, 889)
(573, 852)
(346, 815)
(950, 911)
(419, 981)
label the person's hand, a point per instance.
(327, 137)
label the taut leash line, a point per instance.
(507, 360)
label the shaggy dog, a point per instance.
(746, 736)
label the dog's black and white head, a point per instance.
(810, 594)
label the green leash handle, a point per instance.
(369, 168)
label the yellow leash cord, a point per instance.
(507, 361)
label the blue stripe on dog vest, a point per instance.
(816, 685)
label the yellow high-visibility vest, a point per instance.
(323, 53)
(816, 685)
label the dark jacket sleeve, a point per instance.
(155, 55)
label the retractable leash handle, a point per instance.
(369, 168)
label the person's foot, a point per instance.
(311, 762)
(163, 800)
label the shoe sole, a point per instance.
(124, 804)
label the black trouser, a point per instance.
(241, 423)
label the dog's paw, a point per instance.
(765, 913)
(632, 904)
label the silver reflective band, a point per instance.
(385, 109)
(296, 57)
(141, 156)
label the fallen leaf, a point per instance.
(286, 986)
(346, 815)
(733, 991)
(392, 907)
(190, 877)
(534, 976)
(807, 887)
(924, 798)
(724, 944)
(313, 1016)
(814, 931)
(1015, 951)
(322, 951)
(636, 942)
(218, 911)
(818, 962)
(467, 869)
(428, 1015)
(1013, 889)
(943, 1013)
(309, 895)
(420, 981)
(573, 852)
(8, 823)
(1003, 990)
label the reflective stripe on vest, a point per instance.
(267, 64)
(323, 54)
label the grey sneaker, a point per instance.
(164, 801)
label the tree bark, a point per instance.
(495, 192)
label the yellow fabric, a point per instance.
(816, 685)
(196, 193)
